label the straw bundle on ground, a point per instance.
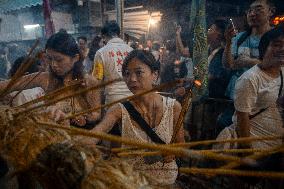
(21, 139)
(67, 165)
(114, 173)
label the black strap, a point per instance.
(279, 93)
(136, 116)
(281, 85)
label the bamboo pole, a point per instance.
(262, 174)
(185, 105)
(256, 156)
(163, 86)
(143, 153)
(180, 152)
(208, 142)
(21, 71)
(66, 97)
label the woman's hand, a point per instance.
(180, 91)
(168, 159)
(57, 115)
(6, 99)
(88, 141)
(79, 121)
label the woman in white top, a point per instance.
(256, 94)
(140, 70)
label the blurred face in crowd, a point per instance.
(185, 52)
(82, 44)
(60, 64)
(213, 34)
(149, 44)
(101, 43)
(274, 55)
(139, 77)
(259, 13)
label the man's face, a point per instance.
(274, 55)
(82, 44)
(259, 13)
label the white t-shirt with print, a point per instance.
(108, 66)
(254, 91)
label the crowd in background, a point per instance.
(244, 68)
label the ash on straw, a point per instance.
(65, 165)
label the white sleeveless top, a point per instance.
(159, 173)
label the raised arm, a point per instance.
(179, 44)
(112, 116)
(93, 97)
(228, 59)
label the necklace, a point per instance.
(149, 116)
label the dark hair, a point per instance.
(83, 38)
(19, 61)
(144, 56)
(171, 45)
(247, 28)
(134, 45)
(222, 25)
(62, 30)
(268, 37)
(95, 45)
(270, 3)
(156, 46)
(110, 29)
(66, 44)
(168, 75)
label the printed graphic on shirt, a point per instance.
(98, 70)
(118, 57)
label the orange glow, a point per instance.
(197, 83)
(277, 20)
(177, 62)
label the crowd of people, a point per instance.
(244, 67)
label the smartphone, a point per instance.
(232, 24)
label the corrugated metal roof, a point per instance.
(11, 5)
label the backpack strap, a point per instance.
(136, 116)
(242, 38)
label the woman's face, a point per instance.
(213, 34)
(139, 77)
(274, 55)
(60, 64)
(101, 43)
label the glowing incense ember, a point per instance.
(197, 83)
